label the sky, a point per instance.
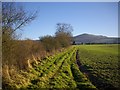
(60, 0)
(99, 18)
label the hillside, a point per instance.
(90, 38)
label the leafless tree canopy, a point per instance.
(14, 17)
(64, 28)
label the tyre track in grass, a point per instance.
(95, 80)
(62, 62)
(83, 83)
(60, 68)
(46, 77)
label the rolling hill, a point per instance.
(90, 38)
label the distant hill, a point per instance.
(90, 38)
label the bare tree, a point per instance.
(64, 28)
(64, 34)
(14, 17)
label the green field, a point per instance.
(101, 61)
(78, 67)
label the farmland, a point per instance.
(78, 67)
(101, 63)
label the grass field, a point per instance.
(78, 67)
(101, 61)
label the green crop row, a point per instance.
(102, 62)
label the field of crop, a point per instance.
(101, 64)
(78, 67)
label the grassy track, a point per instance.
(78, 67)
(57, 73)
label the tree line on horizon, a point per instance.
(61, 39)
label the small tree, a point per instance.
(64, 34)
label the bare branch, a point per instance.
(15, 17)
